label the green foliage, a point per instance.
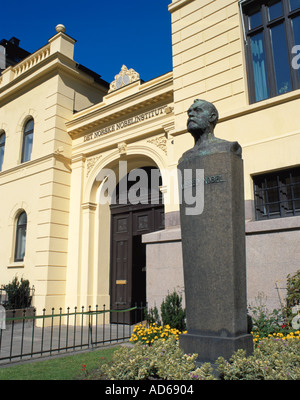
(273, 359)
(172, 312)
(163, 360)
(18, 294)
(266, 322)
(152, 316)
(293, 293)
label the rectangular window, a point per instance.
(277, 195)
(272, 29)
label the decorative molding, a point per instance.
(168, 128)
(89, 206)
(161, 142)
(122, 147)
(125, 77)
(90, 162)
(177, 4)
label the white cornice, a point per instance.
(53, 63)
(178, 4)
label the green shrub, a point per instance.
(273, 359)
(265, 322)
(152, 316)
(293, 290)
(162, 360)
(18, 294)
(172, 312)
(293, 294)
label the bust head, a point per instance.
(203, 117)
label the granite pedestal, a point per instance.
(213, 250)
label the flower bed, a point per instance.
(258, 336)
(148, 335)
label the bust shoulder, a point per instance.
(211, 146)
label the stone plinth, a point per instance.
(213, 247)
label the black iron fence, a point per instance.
(27, 335)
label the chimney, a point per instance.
(14, 41)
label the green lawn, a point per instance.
(70, 367)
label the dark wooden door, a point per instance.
(121, 264)
(128, 257)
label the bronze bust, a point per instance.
(202, 119)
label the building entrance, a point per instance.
(128, 254)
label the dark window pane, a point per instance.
(259, 67)
(281, 60)
(27, 140)
(294, 4)
(1, 156)
(255, 20)
(275, 11)
(21, 237)
(22, 219)
(29, 126)
(296, 30)
(2, 146)
(277, 195)
(27, 147)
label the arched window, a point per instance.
(2, 146)
(21, 236)
(27, 140)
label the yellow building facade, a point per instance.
(66, 134)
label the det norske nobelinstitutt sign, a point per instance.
(125, 123)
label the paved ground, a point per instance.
(20, 343)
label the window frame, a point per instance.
(26, 134)
(2, 146)
(249, 8)
(21, 229)
(285, 193)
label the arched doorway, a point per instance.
(138, 210)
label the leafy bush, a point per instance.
(152, 316)
(273, 359)
(265, 322)
(162, 360)
(293, 290)
(172, 312)
(18, 294)
(293, 294)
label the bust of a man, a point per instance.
(202, 119)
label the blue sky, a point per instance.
(109, 33)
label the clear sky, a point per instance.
(109, 33)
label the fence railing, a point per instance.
(27, 336)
